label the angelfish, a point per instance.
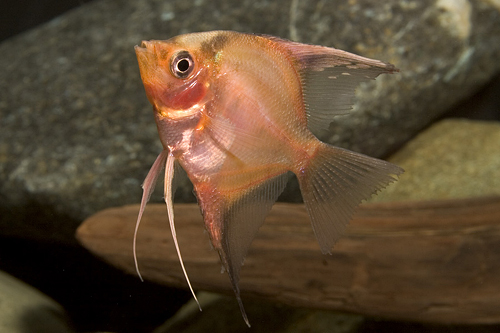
(238, 112)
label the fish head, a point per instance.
(176, 75)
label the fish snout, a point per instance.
(144, 51)
(143, 46)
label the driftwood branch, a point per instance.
(435, 261)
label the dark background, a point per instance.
(21, 15)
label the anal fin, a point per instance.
(233, 223)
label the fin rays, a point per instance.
(335, 183)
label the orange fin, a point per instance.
(334, 183)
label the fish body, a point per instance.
(238, 112)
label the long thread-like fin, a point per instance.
(169, 175)
(148, 186)
(334, 183)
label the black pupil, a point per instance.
(183, 65)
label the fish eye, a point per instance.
(182, 64)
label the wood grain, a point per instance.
(435, 261)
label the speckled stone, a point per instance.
(77, 132)
(454, 158)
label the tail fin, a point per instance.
(334, 183)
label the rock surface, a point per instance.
(221, 315)
(24, 309)
(454, 158)
(78, 133)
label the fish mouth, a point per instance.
(144, 53)
(143, 46)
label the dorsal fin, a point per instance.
(330, 78)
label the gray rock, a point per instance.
(24, 309)
(454, 158)
(78, 132)
(222, 314)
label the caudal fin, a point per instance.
(334, 183)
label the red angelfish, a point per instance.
(238, 112)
